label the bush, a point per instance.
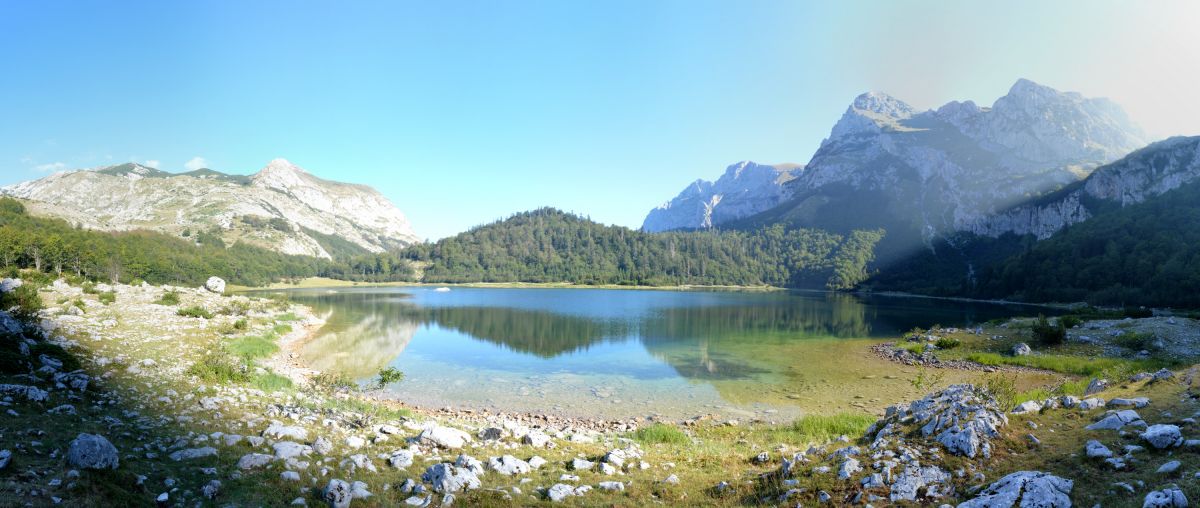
(1135, 341)
(1048, 334)
(55, 351)
(254, 347)
(25, 300)
(107, 297)
(270, 382)
(947, 343)
(219, 368)
(89, 288)
(388, 376)
(194, 311)
(334, 381)
(1003, 389)
(1137, 312)
(661, 433)
(170, 298)
(1070, 321)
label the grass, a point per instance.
(282, 329)
(253, 347)
(947, 343)
(194, 311)
(1135, 341)
(271, 382)
(218, 368)
(661, 433)
(107, 297)
(1065, 364)
(169, 299)
(821, 428)
(373, 409)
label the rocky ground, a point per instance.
(123, 396)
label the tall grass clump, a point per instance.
(823, 428)
(194, 311)
(1047, 333)
(661, 433)
(253, 347)
(169, 299)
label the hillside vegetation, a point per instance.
(549, 245)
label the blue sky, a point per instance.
(465, 112)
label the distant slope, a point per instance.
(548, 245)
(282, 207)
(746, 188)
(1126, 235)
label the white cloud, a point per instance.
(196, 163)
(152, 163)
(53, 166)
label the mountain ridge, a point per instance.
(273, 208)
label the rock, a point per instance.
(612, 486)
(961, 418)
(1162, 436)
(1096, 449)
(537, 462)
(290, 476)
(355, 442)
(1114, 420)
(448, 478)
(1137, 402)
(536, 439)
(582, 464)
(91, 451)
(290, 450)
(278, 430)
(508, 465)
(559, 492)
(358, 461)
(215, 284)
(1170, 497)
(211, 489)
(31, 393)
(358, 490)
(671, 479)
(1162, 374)
(491, 434)
(419, 501)
(322, 446)
(337, 494)
(193, 453)
(1027, 489)
(848, 468)
(1090, 404)
(1097, 385)
(254, 460)
(444, 437)
(470, 463)
(1068, 401)
(1169, 467)
(916, 480)
(1021, 349)
(5, 458)
(400, 459)
(1029, 406)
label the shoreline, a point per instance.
(321, 283)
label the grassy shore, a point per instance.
(323, 282)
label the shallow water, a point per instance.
(616, 354)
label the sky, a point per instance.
(465, 112)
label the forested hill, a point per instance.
(548, 245)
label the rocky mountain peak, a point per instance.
(745, 188)
(882, 104)
(280, 174)
(870, 113)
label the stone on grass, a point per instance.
(617, 486)
(215, 284)
(1114, 420)
(290, 450)
(1027, 489)
(537, 462)
(1091, 403)
(254, 460)
(444, 437)
(337, 494)
(1097, 450)
(1137, 402)
(91, 451)
(559, 492)
(1029, 406)
(278, 430)
(508, 465)
(193, 453)
(1169, 467)
(322, 446)
(536, 439)
(1170, 497)
(211, 489)
(1162, 436)
(400, 459)
(449, 478)
(5, 458)
(1021, 349)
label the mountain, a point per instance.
(1127, 234)
(745, 189)
(282, 207)
(921, 175)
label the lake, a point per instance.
(624, 353)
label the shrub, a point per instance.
(661, 433)
(270, 382)
(388, 376)
(107, 297)
(55, 351)
(218, 368)
(1135, 341)
(89, 288)
(24, 299)
(1137, 312)
(170, 298)
(236, 308)
(282, 329)
(194, 311)
(241, 324)
(1003, 389)
(926, 378)
(1070, 321)
(1048, 334)
(334, 381)
(947, 343)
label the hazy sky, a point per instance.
(465, 112)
